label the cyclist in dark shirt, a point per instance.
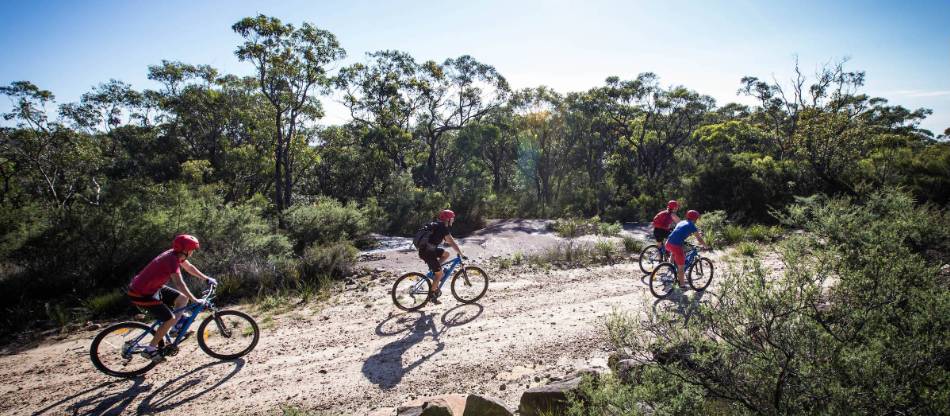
(434, 255)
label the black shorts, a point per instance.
(432, 257)
(660, 234)
(160, 304)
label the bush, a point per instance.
(632, 245)
(747, 249)
(606, 249)
(336, 259)
(732, 234)
(569, 228)
(325, 221)
(861, 338)
(108, 304)
(608, 229)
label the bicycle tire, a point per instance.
(472, 276)
(97, 361)
(396, 296)
(216, 317)
(649, 252)
(705, 270)
(663, 280)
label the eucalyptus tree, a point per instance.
(291, 65)
(454, 94)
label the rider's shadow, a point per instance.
(181, 389)
(385, 368)
(100, 401)
(679, 303)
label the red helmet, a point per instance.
(673, 205)
(185, 242)
(446, 215)
(692, 215)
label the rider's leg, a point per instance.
(679, 258)
(438, 274)
(170, 299)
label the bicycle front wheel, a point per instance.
(117, 350)
(650, 257)
(411, 291)
(469, 284)
(663, 280)
(700, 274)
(227, 335)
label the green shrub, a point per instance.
(632, 245)
(608, 229)
(606, 249)
(517, 258)
(770, 342)
(747, 248)
(108, 304)
(326, 220)
(712, 223)
(763, 233)
(335, 259)
(569, 228)
(732, 234)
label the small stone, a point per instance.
(502, 387)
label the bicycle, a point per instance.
(117, 349)
(654, 254)
(411, 290)
(699, 274)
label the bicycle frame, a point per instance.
(457, 261)
(195, 310)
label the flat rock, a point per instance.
(549, 399)
(442, 405)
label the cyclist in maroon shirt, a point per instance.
(148, 290)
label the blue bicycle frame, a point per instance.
(133, 345)
(457, 261)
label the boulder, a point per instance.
(442, 405)
(454, 405)
(549, 399)
(484, 406)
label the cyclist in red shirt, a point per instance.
(664, 221)
(148, 290)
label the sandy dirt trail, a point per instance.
(356, 353)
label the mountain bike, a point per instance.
(224, 334)
(411, 290)
(652, 255)
(699, 273)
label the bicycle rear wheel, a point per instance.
(650, 257)
(411, 291)
(700, 274)
(227, 335)
(469, 284)
(116, 350)
(663, 280)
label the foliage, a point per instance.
(326, 220)
(335, 259)
(839, 330)
(632, 245)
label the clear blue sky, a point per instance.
(67, 47)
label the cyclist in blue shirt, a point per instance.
(674, 243)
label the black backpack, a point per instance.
(421, 239)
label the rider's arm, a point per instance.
(192, 270)
(178, 282)
(675, 219)
(699, 237)
(451, 241)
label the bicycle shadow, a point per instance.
(385, 368)
(173, 393)
(111, 404)
(682, 304)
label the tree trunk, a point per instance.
(278, 162)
